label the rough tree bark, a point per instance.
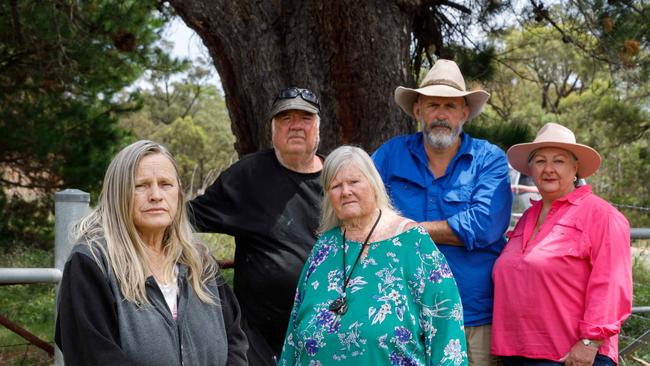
(353, 54)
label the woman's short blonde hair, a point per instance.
(112, 222)
(341, 157)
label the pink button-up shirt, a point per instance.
(572, 281)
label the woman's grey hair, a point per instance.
(112, 222)
(336, 160)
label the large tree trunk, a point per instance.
(353, 54)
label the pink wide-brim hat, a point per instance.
(555, 135)
(443, 80)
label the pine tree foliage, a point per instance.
(61, 64)
(187, 114)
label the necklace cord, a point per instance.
(365, 243)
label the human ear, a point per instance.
(416, 108)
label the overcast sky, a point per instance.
(186, 42)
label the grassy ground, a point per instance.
(222, 247)
(637, 324)
(32, 306)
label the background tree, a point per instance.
(355, 53)
(540, 79)
(614, 32)
(352, 53)
(61, 65)
(185, 113)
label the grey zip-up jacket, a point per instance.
(97, 326)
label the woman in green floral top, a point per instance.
(375, 290)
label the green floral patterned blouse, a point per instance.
(403, 306)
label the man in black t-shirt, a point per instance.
(270, 202)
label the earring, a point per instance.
(575, 178)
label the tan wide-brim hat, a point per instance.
(443, 80)
(555, 135)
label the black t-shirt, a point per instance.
(273, 213)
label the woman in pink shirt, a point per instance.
(563, 283)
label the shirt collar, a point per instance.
(416, 147)
(466, 146)
(574, 197)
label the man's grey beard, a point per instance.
(440, 140)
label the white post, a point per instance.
(70, 205)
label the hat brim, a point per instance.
(405, 97)
(588, 158)
(296, 103)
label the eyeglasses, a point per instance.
(306, 94)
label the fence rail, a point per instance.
(70, 205)
(18, 276)
(640, 233)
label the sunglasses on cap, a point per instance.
(293, 92)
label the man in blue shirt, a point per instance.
(456, 186)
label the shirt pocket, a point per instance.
(456, 199)
(564, 240)
(407, 195)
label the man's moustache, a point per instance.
(440, 123)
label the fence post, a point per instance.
(70, 205)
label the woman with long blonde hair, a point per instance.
(137, 289)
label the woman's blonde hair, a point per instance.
(112, 221)
(335, 161)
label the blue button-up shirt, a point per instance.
(473, 196)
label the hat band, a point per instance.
(445, 82)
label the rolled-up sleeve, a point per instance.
(488, 214)
(609, 287)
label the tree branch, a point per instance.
(16, 21)
(8, 61)
(566, 38)
(500, 111)
(456, 6)
(195, 98)
(630, 5)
